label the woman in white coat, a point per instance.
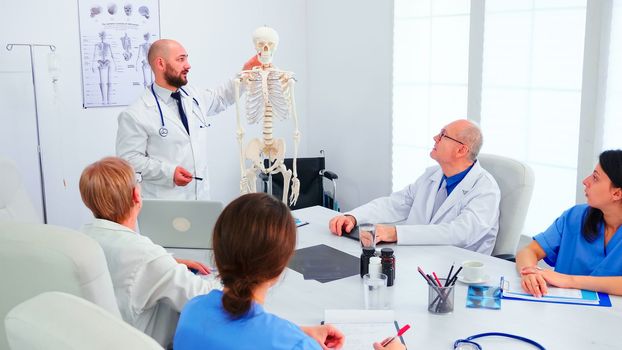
(150, 286)
(455, 203)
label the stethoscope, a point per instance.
(163, 130)
(468, 343)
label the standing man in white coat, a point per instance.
(455, 203)
(164, 134)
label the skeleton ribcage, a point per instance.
(277, 96)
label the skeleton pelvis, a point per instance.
(257, 150)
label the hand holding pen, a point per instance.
(389, 343)
(182, 177)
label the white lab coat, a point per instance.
(156, 157)
(150, 286)
(468, 218)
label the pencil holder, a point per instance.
(440, 299)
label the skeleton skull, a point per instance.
(128, 9)
(266, 41)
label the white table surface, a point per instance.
(555, 326)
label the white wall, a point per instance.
(217, 36)
(341, 52)
(350, 57)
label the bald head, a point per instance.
(470, 133)
(161, 49)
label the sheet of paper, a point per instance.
(363, 335)
(362, 327)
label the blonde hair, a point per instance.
(106, 187)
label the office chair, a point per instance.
(36, 258)
(15, 205)
(516, 181)
(60, 321)
(311, 173)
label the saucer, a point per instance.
(483, 280)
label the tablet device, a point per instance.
(354, 233)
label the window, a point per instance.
(531, 95)
(430, 79)
(531, 86)
(613, 102)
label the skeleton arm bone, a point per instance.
(292, 105)
(244, 185)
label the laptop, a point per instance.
(179, 223)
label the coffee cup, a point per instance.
(472, 271)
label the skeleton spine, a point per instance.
(267, 125)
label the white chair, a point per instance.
(516, 181)
(60, 321)
(36, 258)
(15, 205)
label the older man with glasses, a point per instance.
(455, 203)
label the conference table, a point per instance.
(555, 326)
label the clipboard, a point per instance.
(588, 298)
(603, 300)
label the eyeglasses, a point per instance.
(443, 134)
(139, 177)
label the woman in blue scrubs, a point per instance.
(585, 243)
(254, 238)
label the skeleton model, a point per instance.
(269, 94)
(142, 61)
(102, 59)
(126, 43)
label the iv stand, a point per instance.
(52, 48)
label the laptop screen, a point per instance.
(179, 223)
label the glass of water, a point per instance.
(367, 235)
(375, 291)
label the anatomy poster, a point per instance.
(115, 37)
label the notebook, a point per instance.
(179, 223)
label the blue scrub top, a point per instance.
(570, 253)
(204, 324)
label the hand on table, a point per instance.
(386, 233)
(195, 265)
(341, 224)
(326, 335)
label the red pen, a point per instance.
(399, 334)
(437, 280)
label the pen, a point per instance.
(449, 274)
(399, 334)
(453, 279)
(423, 274)
(197, 178)
(437, 280)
